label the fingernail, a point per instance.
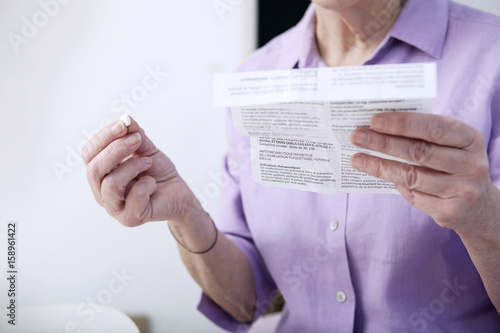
(358, 162)
(359, 137)
(133, 139)
(118, 128)
(377, 122)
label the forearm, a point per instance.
(483, 245)
(223, 273)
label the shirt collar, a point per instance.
(308, 52)
(421, 23)
(300, 44)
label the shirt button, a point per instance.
(341, 296)
(334, 225)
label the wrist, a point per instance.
(196, 233)
(187, 248)
(486, 223)
(187, 207)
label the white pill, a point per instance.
(126, 119)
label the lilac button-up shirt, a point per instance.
(369, 262)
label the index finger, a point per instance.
(441, 130)
(115, 131)
(102, 139)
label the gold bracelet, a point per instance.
(198, 252)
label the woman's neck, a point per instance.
(348, 36)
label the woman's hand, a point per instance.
(451, 182)
(133, 180)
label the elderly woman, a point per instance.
(425, 261)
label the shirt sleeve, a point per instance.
(230, 220)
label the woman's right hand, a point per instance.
(133, 180)
(137, 183)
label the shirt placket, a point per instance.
(344, 298)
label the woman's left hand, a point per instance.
(451, 182)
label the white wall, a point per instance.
(492, 6)
(60, 84)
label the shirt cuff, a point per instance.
(264, 286)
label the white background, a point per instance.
(62, 83)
